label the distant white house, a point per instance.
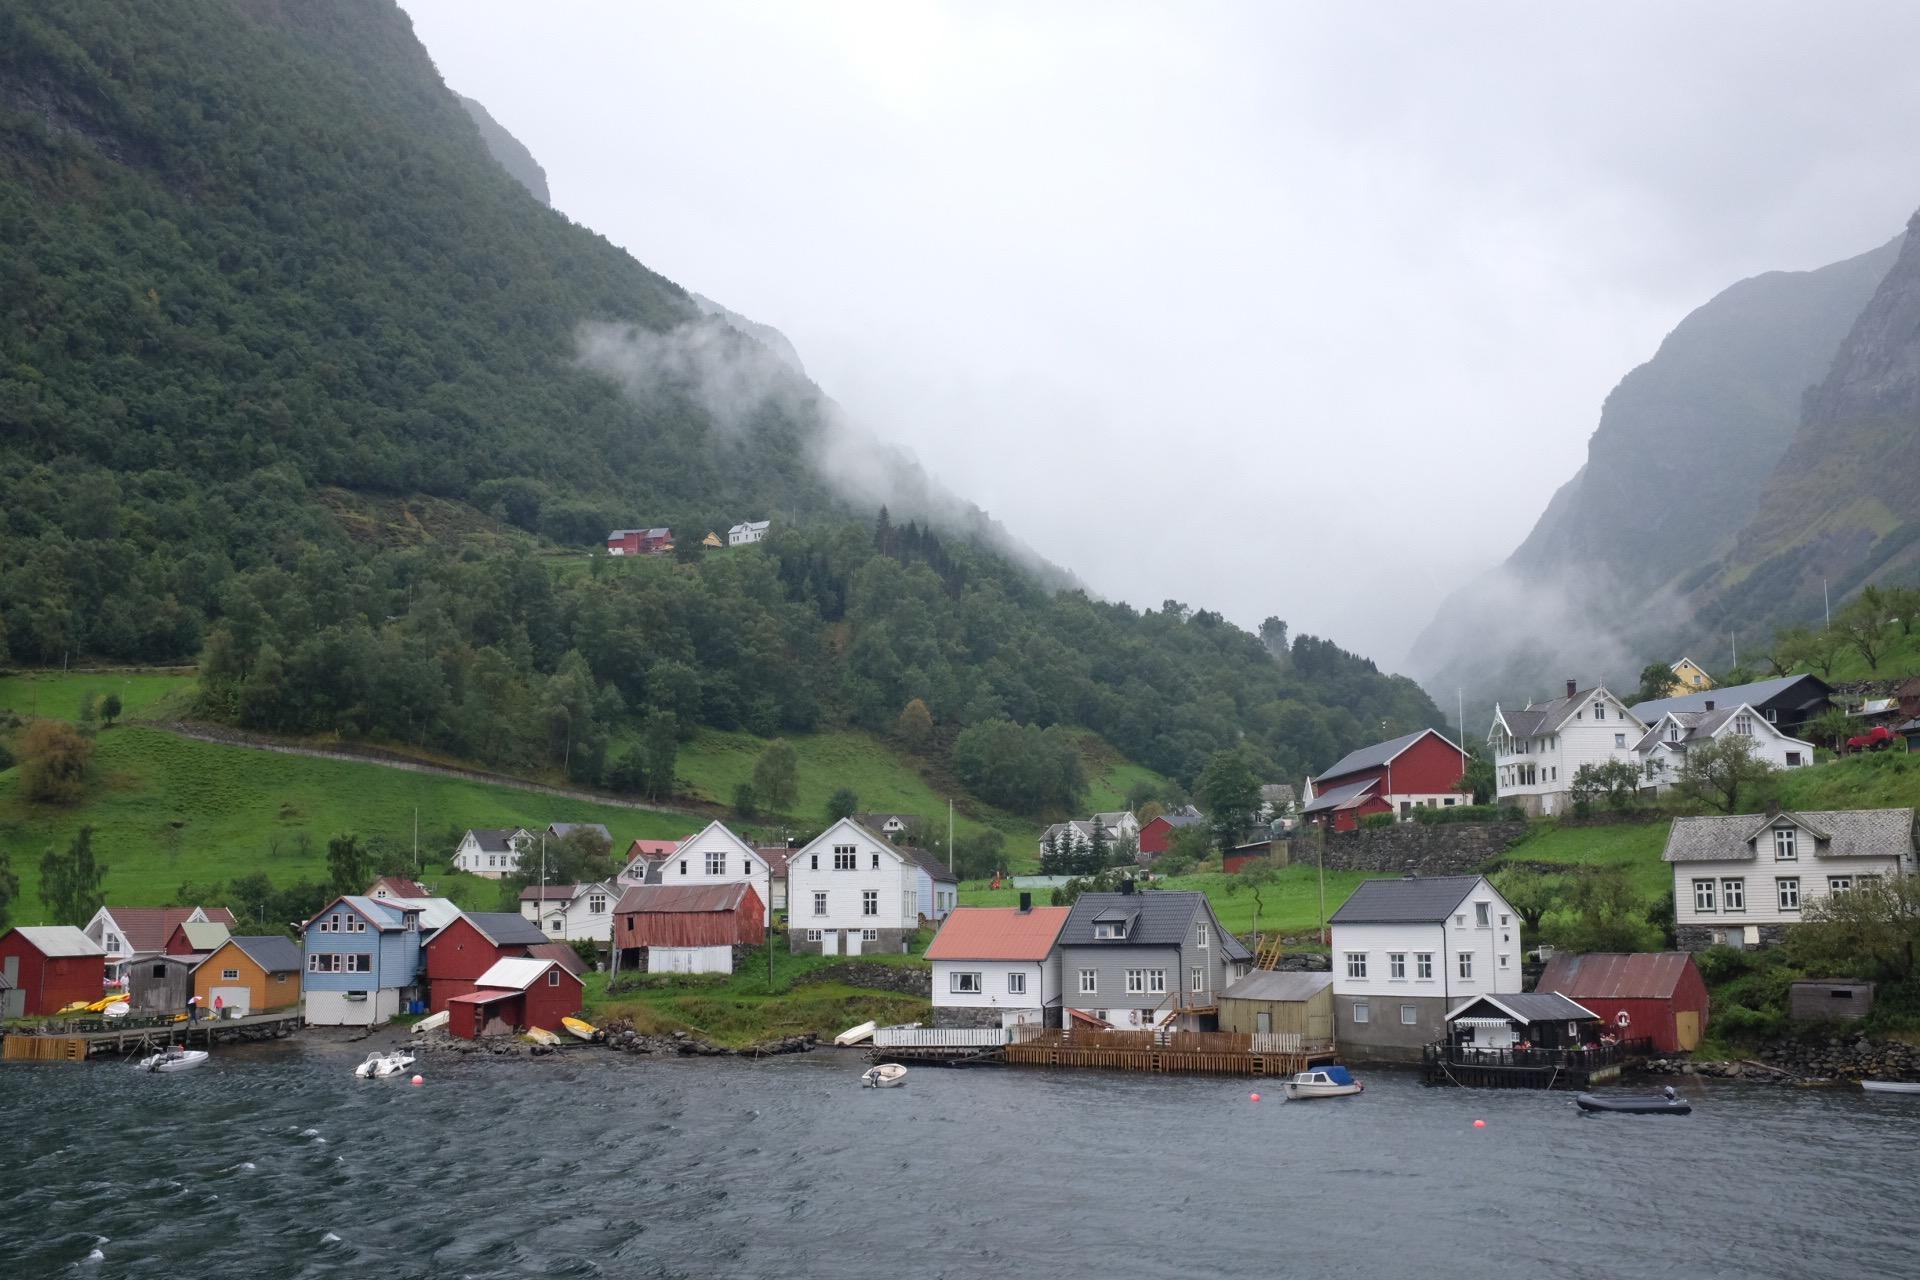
(1538, 749)
(1078, 832)
(1663, 748)
(492, 852)
(715, 855)
(748, 532)
(850, 891)
(572, 912)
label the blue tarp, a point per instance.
(1338, 1074)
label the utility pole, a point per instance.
(416, 842)
(1320, 857)
(1827, 600)
(949, 834)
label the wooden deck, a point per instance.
(79, 1038)
(1218, 1053)
(1527, 1068)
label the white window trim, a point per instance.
(1089, 982)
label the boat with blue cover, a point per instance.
(1332, 1081)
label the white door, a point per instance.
(853, 942)
(829, 942)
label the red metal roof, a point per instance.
(695, 915)
(651, 849)
(491, 996)
(678, 898)
(998, 933)
(1646, 975)
(561, 951)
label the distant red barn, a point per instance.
(1415, 770)
(1156, 835)
(639, 542)
(43, 969)
(1242, 856)
(1655, 994)
(518, 992)
(469, 945)
(694, 915)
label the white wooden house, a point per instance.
(849, 891)
(1407, 951)
(1663, 748)
(492, 852)
(1538, 749)
(748, 532)
(572, 912)
(715, 855)
(1744, 880)
(997, 966)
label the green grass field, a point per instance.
(1635, 847)
(55, 695)
(1291, 905)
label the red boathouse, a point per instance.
(516, 993)
(45, 968)
(1657, 995)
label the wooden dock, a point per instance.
(76, 1039)
(1218, 1053)
(1474, 1068)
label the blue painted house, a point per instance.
(364, 961)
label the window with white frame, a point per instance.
(1793, 759)
(229, 975)
(1409, 1015)
(553, 977)
(716, 863)
(554, 924)
(1619, 741)
(1599, 710)
(869, 935)
(1482, 917)
(965, 984)
(1016, 984)
(876, 862)
(1198, 977)
(113, 944)
(813, 862)
(820, 904)
(1839, 884)
(1505, 959)
(1743, 725)
(845, 857)
(1423, 965)
(360, 962)
(1089, 982)
(813, 935)
(1866, 882)
(870, 902)
(683, 866)
(1396, 964)
(1733, 895)
(1786, 846)
(1109, 929)
(596, 904)
(1356, 964)
(1136, 981)
(1787, 888)
(1361, 1013)
(1466, 964)
(1703, 895)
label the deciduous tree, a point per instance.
(1870, 931)
(1656, 682)
(71, 882)
(9, 889)
(53, 759)
(349, 864)
(776, 776)
(1724, 774)
(914, 728)
(1229, 790)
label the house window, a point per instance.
(1396, 964)
(1703, 895)
(331, 924)
(869, 935)
(1505, 959)
(1198, 977)
(229, 975)
(1089, 982)
(813, 862)
(876, 862)
(1200, 937)
(683, 866)
(1016, 984)
(965, 984)
(160, 971)
(1793, 759)
(813, 935)
(1136, 981)
(716, 864)
(1409, 1015)
(1743, 725)
(1619, 741)
(1733, 895)
(1785, 847)
(1482, 915)
(1356, 964)
(1423, 965)
(870, 903)
(1110, 929)
(113, 944)
(1839, 884)
(554, 924)
(553, 977)
(1599, 710)
(820, 904)
(1788, 889)
(845, 857)
(1466, 964)
(490, 859)
(1867, 882)
(361, 963)
(1360, 1012)
(597, 904)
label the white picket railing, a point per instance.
(938, 1038)
(1276, 1042)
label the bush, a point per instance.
(1374, 821)
(1724, 964)
(1737, 1022)
(1470, 813)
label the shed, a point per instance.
(1539, 1020)
(686, 928)
(250, 974)
(516, 992)
(1829, 999)
(1656, 995)
(196, 938)
(160, 983)
(469, 946)
(1267, 1000)
(50, 967)
(1241, 856)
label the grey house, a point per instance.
(1136, 960)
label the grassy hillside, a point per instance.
(56, 695)
(1291, 905)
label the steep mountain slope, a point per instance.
(298, 380)
(511, 154)
(1683, 450)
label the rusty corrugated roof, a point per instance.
(649, 899)
(1644, 975)
(998, 933)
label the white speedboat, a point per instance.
(380, 1065)
(1323, 1082)
(174, 1059)
(888, 1075)
(1890, 1086)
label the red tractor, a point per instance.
(1878, 738)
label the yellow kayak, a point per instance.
(100, 1005)
(584, 1030)
(78, 1006)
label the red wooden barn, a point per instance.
(516, 992)
(45, 968)
(1653, 994)
(1415, 770)
(469, 945)
(659, 919)
(1242, 856)
(639, 542)
(1155, 835)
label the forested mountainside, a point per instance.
(1684, 450)
(511, 154)
(296, 376)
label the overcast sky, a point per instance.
(1295, 310)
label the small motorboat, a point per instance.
(174, 1059)
(1323, 1082)
(378, 1066)
(1659, 1104)
(1891, 1086)
(854, 1035)
(540, 1035)
(432, 1022)
(581, 1029)
(888, 1075)
(118, 1009)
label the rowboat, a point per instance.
(888, 1075)
(540, 1035)
(170, 1060)
(854, 1035)
(1890, 1086)
(1659, 1104)
(583, 1030)
(432, 1022)
(1323, 1082)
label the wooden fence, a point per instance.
(1198, 1052)
(937, 1037)
(44, 1049)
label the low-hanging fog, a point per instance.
(1277, 309)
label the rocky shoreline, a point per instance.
(1837, 1060)
(620, 1037)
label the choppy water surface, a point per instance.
(274, 1162)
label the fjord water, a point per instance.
(272, 1161)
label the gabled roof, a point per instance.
(202, 935)
(495, 839)
(1645, 975)
(148, 928)
(932, 865)
(646, 899)
(515, 972)
(1179, 820)
(435, 913)
(826, 838)
(1547, 717)
(1378, 754)
(561, 953)
(1847, 833)
(1165, 919)
(59, 940)
(384, 914)
(273, 952)
(998, 933)
(1341, 797)
(1757, 693)
(1263, 984)
(561, 830)
(1534, 1006)
(644, 848)
(398, 887)
(1413, 900)
(505, 928)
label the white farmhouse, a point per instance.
(715, 855)
(849, 891)
(1407, 951)
(1663, 748)
(1744, 880)
(492, 852)
(748, 532)
(997, 967)
(572, 912)
(1537, 750)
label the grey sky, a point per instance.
(1301, 310)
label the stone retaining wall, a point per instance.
(1439, 849)
(874, 977)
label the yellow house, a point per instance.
(250, 974)
(712, 541)
(1688, 677)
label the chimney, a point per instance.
(1126, 886)
(1026, 902)
(1709, 704)
(1572, 687)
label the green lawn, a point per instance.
(1634, 846)
(1291, 905)
(166, 810)
(1874, 780)
(56, 695)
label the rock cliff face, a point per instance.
(508, 151)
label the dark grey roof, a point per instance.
(1339, 796)
(1274, 985)
(1379, 753)
(561, 830)
(1115, 913)
(1759, 693)
(930, 864)
(506, 928)
(1531, 1006)
(494, 839)
(272, 952)
(1414, 900)
(1852, 833)
(1165, 918)
(1177, 820)
(1544, 717)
